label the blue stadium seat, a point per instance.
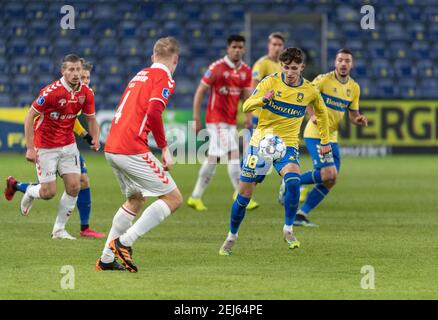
(43, 65)
(41, 46)
(18, 47)
(108, 47)
(2, 47)
(64, 46)
(408, 88)
(378, 49)
(5, 84)
(112, 101)
(128, 29)
(104, 11)
(381, 68)
(427, 88)
(22, 84)
(399, 50)
(37, 28)
(404, 68)
(4, 68)
(37, 11)
(7, 100)
(86, 46)
(84, 27)
(347, 13)
(421, 50)
(394, 31)
(20, 65)
(426, 69)
(385, 88)
(24, 99)
(15, 10)
(43, 79)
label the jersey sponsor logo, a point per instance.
(62, 102)
(81, 99)
(284, 109)
(335, 103)
(41, 100)
(141, 76)
(207, 74)
(243, 76)
(300, 97)
(54, 115)
(165, 93)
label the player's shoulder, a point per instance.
(260, 61)
(245, 67)
(309, 85)
(51, 88)
(272, 78)
(87, 89)
(218, 64)
(324, 77)
(354, 84)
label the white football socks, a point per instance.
(234, 172)
(121, 222)
(66, 206)
(34, 191)
(205, 174)
(151, 217)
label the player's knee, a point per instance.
(329, 175)
(330, 183)
(85, 181)
(135, 203)
(173, 200)
(73, 189)
(47, 192)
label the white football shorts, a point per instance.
(223, 139)
(62, 160)
(140, 173)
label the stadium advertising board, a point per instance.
(403, 125)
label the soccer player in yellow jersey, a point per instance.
(282, 98)
(267, 65)
(341, 94)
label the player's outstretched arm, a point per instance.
(29, 133)
(94, 130)
(197, 104)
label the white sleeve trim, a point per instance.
(205, 83)
(35, 109)
(158, 99)
(89, 114)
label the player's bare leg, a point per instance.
(246, 190)
(150, 218)
(291, 177)
(67, 203)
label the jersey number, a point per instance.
(252, 161)
(118, 114)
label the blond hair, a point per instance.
(166, 47)
(277, 35)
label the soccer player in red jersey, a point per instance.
(84, 196)
(228, 79)
(139, 173)
(51, 143)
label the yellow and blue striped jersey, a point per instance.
(338, 97)
(264, 67)
(284, 114)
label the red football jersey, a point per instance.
(129, 128)
(226, 84)
(58, 106)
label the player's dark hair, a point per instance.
(290, 55)
(277, 35)
(70, 58)
(344, 50)
(235, 37)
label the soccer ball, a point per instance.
(272, 148)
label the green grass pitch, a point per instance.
(382, 213)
